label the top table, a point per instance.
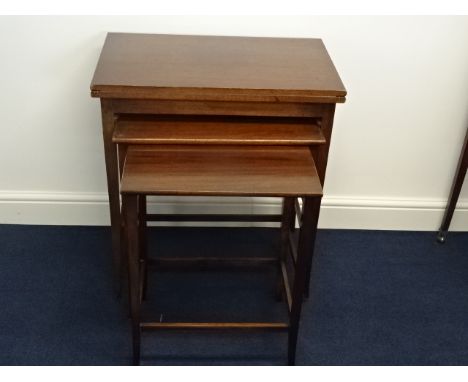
(216, 68)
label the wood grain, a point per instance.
(217, 130)
(220, 170)
(215, 68)
(139, 107)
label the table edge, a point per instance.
(217, 94)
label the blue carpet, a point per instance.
(377, 298)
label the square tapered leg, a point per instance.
(310, 215)
(130, 207)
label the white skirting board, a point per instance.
(66, 208)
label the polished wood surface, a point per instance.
(211, 87)
(220, 171)
(142, 107)
(128, 82)
(217, 130)
(216, 68)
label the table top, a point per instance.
(153, 66)
(220, 171)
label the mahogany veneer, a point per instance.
(204, 93)
(209, 130)
(220, 171)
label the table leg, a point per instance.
(110, 152)
(143, 242)
(130, 204)
(287, 224)
(307, 233)
(320, 154)
(454, 192)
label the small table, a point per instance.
(145, 74)
(221, 170)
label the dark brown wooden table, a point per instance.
(228, 77)
(221, 170)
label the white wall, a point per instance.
(395, 144)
